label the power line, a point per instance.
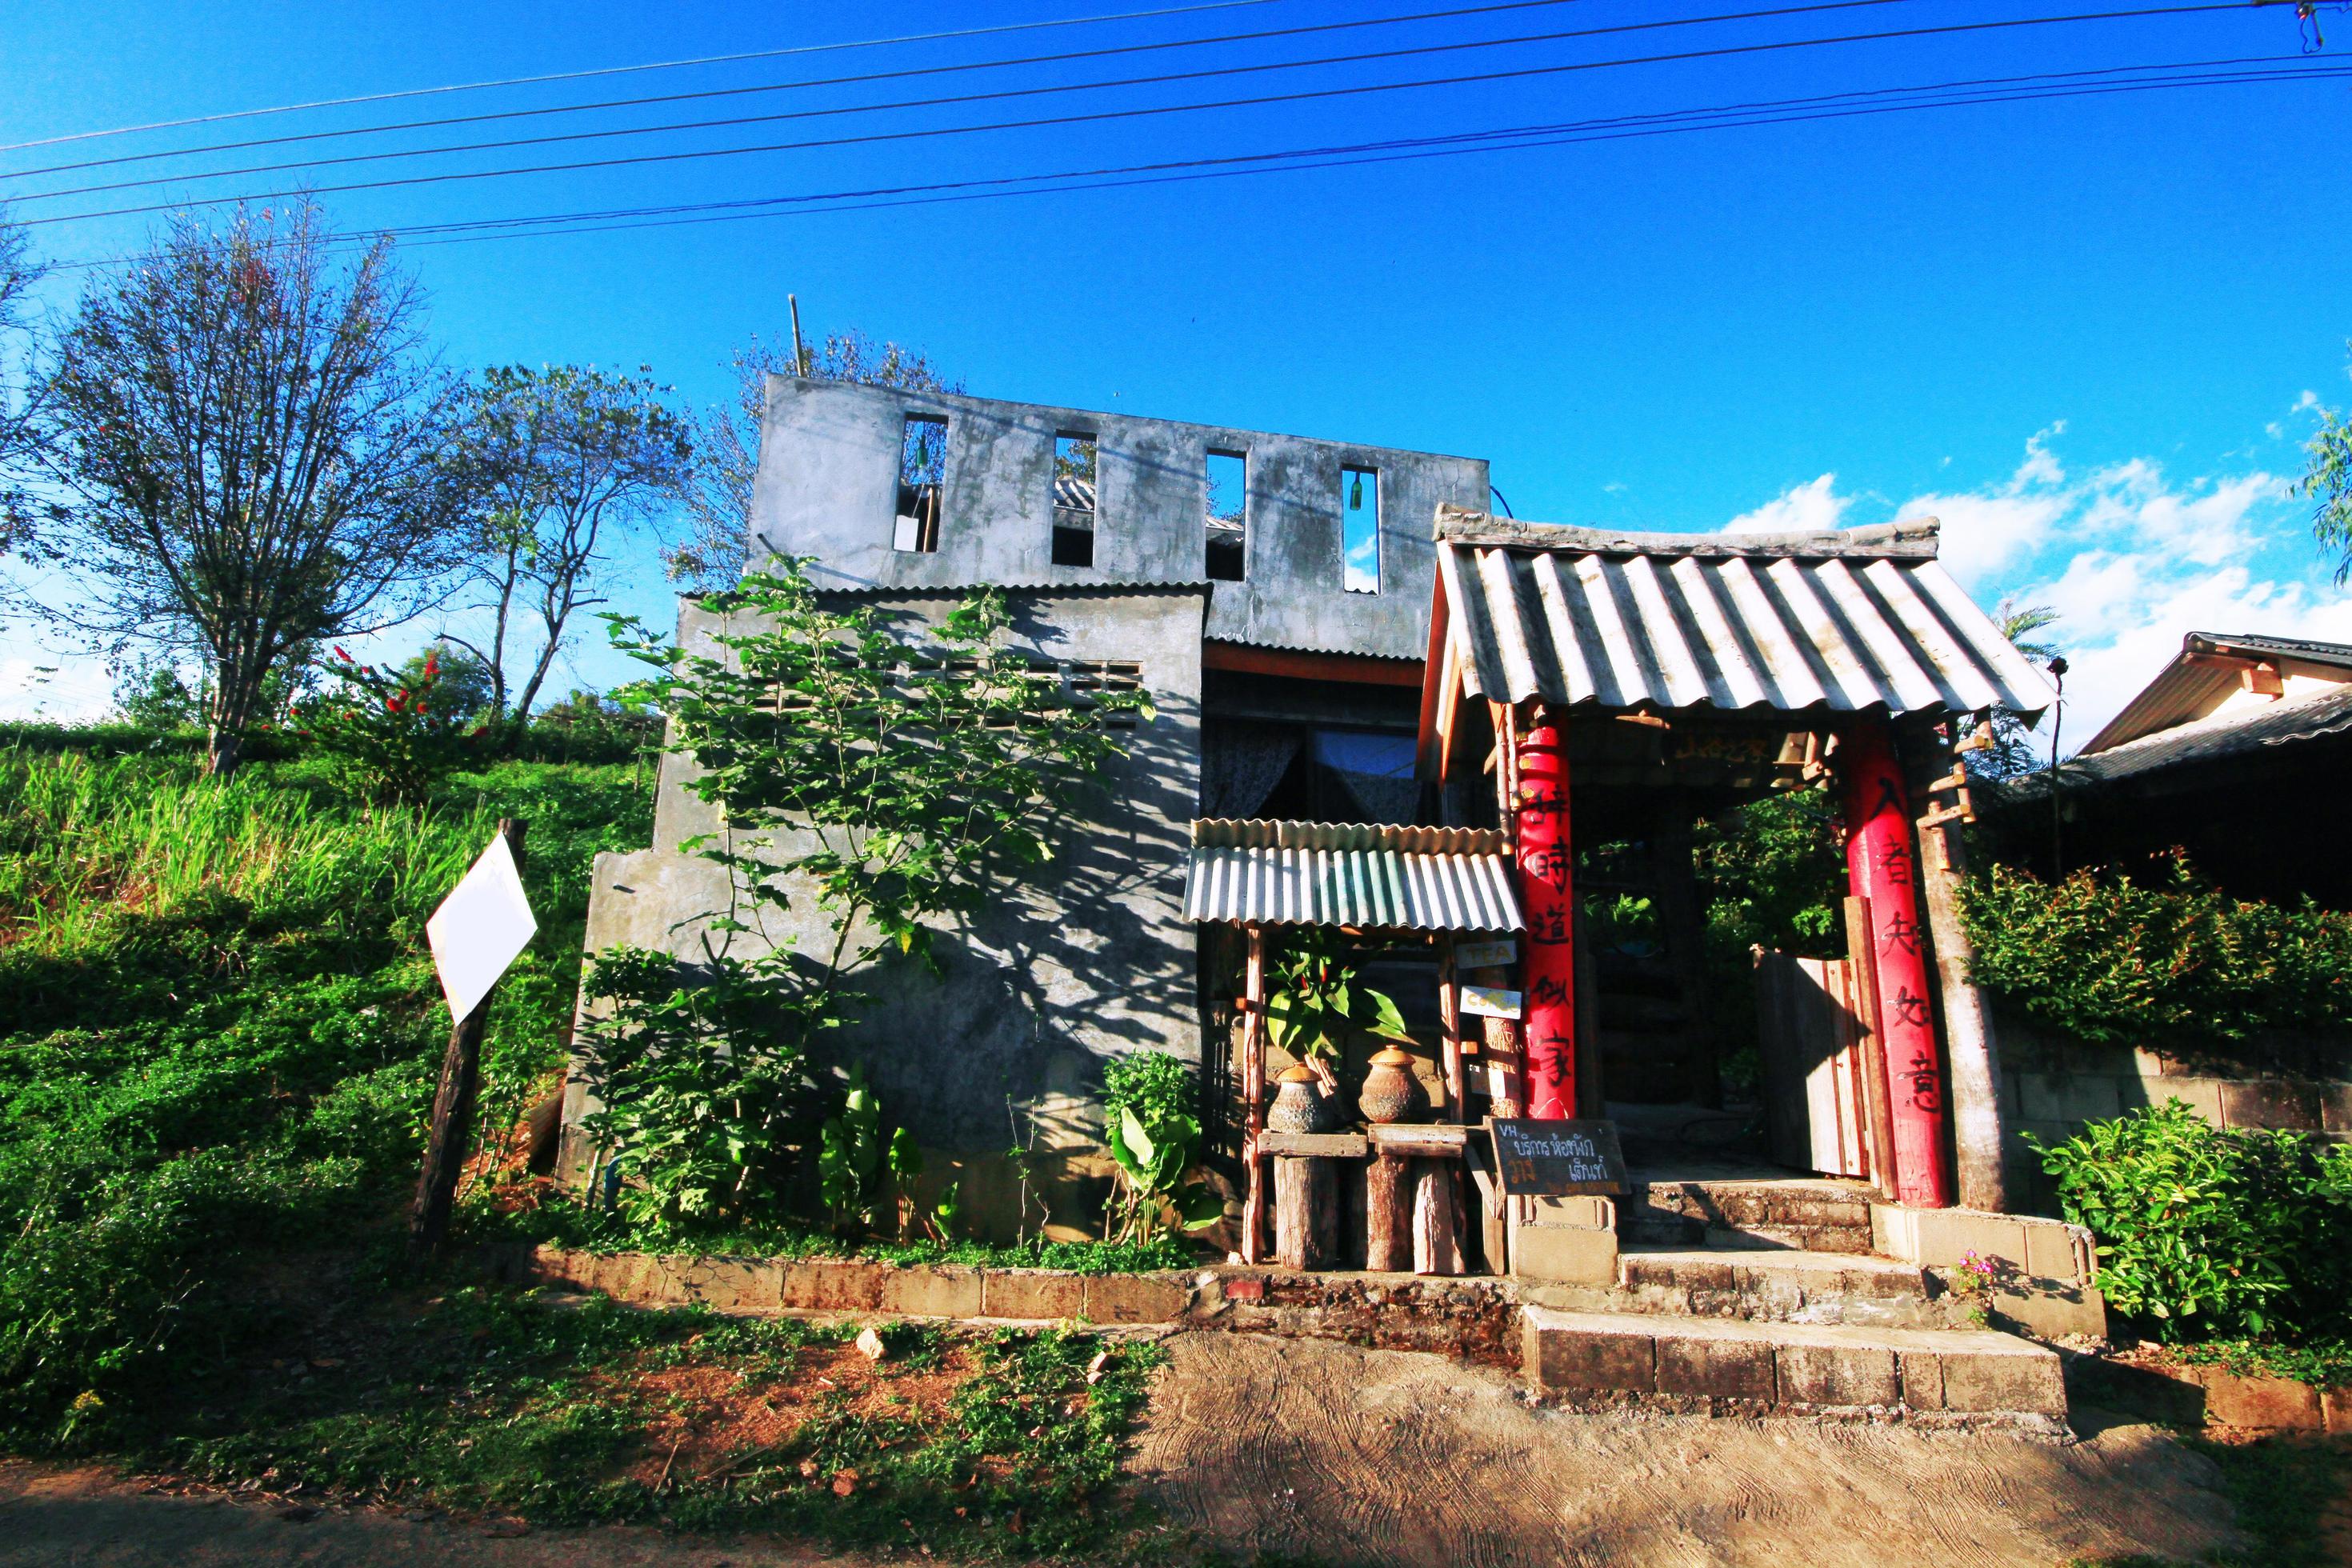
(1854, 104)
(704, 93)
(625, 70)
(958, 100)
(1722, 51)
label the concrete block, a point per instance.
(2203, 1095)
(932, 1290)
(2053, 1310)
(1135, 1298)
(2335, 1107)
(735, 1284)
(2148, 1064)
(2015, 1376)
(2336, 1410)
(1940, 1239)
(1587, 1352)
(1584, 1212)
(2262, 1404)
(1720, 1364)
(822, 1285)
(1569, 1254)
(1833, 1372)
(1923, 1379)
(2009, 1109)
(2270, 1103)
(2067, 1097)
(1036, 1293)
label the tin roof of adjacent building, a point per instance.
(1350, 874)
(1845, 619)
(2197, 677)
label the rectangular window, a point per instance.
(1074, 500)
(1227, 478)
(923, 465)
(1360, 530)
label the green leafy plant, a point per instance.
(1315, 1001)
(2205, 1233)
(2107, 958)
(1154, 1139)
(398, 732)
(849, 1159)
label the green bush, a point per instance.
(2203, 1233)
(2109, 959)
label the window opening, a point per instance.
(1360, 530)
(922, 467)
(1074, 500)
(1227, 478)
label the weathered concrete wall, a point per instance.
(1082, 960)
(828, 488)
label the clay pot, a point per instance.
(1299, 1104)
(1390, 1092)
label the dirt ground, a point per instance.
(1332, 1455)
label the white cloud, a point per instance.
(1798, 509)
(66, 688)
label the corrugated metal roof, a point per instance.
(1350, 874)
(1845, 620)
(2182, 689)
(2213, 739)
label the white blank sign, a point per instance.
(480, 928)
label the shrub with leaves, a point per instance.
(2204, 1233)
(398, 732)
(1315, 1001)
(1154, 1139)
(2107, 958)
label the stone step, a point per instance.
(1795, 1286)
(1792, 1215)
(1734, 1366)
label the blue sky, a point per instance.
(2086, 331)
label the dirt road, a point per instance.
(1343, 1456)
(1327, 1454)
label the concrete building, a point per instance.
(1271, 595)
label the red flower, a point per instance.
(420, 705)
(392, 704)
(342, 654)
(432, 664)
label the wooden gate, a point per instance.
(1824, 1110)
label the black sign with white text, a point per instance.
(1558, 1158)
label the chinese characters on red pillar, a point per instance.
(1547, 894)
(1879, 859)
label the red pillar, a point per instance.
(1880, 862)
(1548, 897)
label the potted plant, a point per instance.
(1313, 1003)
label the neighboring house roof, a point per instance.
(1845, 620)
(2237, 734)
(1350, 874)
(2202, 673)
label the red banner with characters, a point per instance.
(1547, 898)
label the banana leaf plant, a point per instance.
(1315, 1001)
(1153, 1163)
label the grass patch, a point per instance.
(2322, 1364)
(575, 1412)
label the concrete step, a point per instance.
(1737, 1366)
(1795, 1213)
(1796, 1287)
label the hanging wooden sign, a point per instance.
(1490, 1002)
(1485, 954)
(1558, 1158)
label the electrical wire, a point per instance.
(626, 70)
(1858, 102)
(715, 92)
(1722, 51)
(959, 100)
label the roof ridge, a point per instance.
(1913, 538)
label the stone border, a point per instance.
(2209, 1396)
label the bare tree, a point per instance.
(247, 422)
(20, 442)
(727, 441)
(568, 465)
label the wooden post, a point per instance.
(1253, 1087)
(1971, 1053)
(1877, 1126)
(1388, 1212)
(453, 1108)
(1436, 1218)
(1546, 862)
(1306, 1212)
(1449, 1019)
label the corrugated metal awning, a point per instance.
(1848, 620)
(1350, 874)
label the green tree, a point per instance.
(246, 427)
(20, 443)
(2327, 481)
(890, 781)
(2012, 752)
(727, 441)
(568, 466)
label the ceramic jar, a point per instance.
(1298, 1105)
(1390, 1092)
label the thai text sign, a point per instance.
(1558, 1158)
